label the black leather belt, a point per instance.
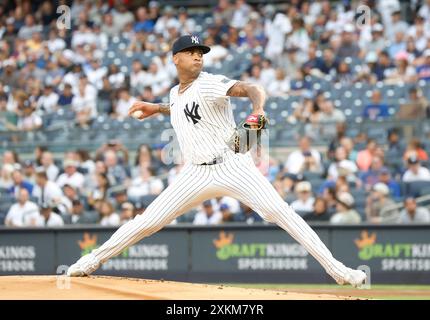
(216, 160)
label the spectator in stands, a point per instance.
(415, 171)
(29, 172)
(24, 213)
(280, 86)
(403, 72)
(329, 194)
(290, 61)
(127, 212)
(345, 213)
(107, 213)
(398, 45)
(348, 46)
(255, 76)
(95, 73)
(119, 194)
(48, 217)
(100, 190)
(397, 25)
(305, 201)
(148, 95)
(117, 147)
(144, 157)
(165, 21)
(31, 70)
(108, 27)
(344, 74)
(86, 164)
(28, 120)
(227, 215)
(30, 27)
(48, 165)
(365, 157)
(329, 114)
(138, 77)
(423, 68)
(105, 96)
(38, 151)
(394, 145)
(276, 27)
(19, 183)
(217, 53)
(10, 157)
(240, 15)
(70, 193)
(381, 64)
(115, 76)
(412, 213)
(121, 16)
(143, 23)
(160, 83)
(46, 191)
(377, 42)
(415, 148)
(309, 110)
(412, 50)
(376, 109)
(125, 100)
(305, 159)
(418, 105)
(342, 166)
(48, 102)
(71, 176)
(78, 214)
(329, 63)
(116, 173)
(284, 184)
(320, 211)
(385, 177)
(335, 142)
(66, 96)
(207, 216)
(299, 36)
(371, 176)
(424, 10)
(380, 208)
(247, 215)
(145, 184)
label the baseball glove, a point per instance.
(248, 134)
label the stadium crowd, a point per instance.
(44, 68)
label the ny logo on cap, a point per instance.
(194, 39)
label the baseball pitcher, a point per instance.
(216, 163)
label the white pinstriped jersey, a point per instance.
(202, 117)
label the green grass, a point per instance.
(377, 291)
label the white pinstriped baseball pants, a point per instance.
(236, 177)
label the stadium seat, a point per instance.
(417, 188)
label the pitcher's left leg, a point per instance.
(243, 179)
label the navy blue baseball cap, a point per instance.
(189, 41)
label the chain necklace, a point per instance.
(185, 88)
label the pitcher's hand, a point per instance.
(147, 109)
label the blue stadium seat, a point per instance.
(417, 188)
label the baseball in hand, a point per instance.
(137, 114)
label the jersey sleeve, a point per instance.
(215, 86)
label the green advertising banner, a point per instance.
(385, 251)
(25, 252)
(241, 250)
(162, 252)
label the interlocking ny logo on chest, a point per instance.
(192, 114)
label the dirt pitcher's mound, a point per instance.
(101, 287)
